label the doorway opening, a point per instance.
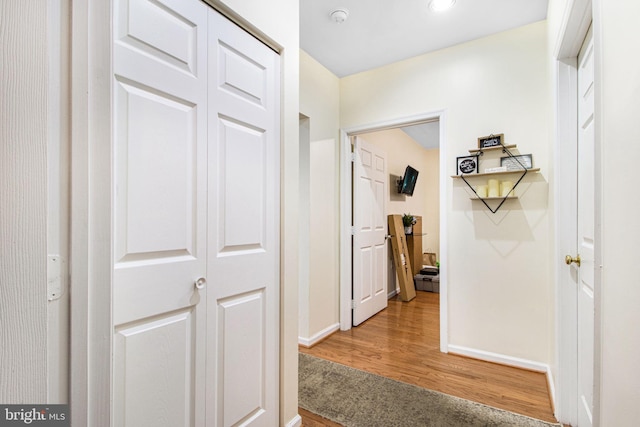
(346, 196)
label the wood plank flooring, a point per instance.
(402, 343)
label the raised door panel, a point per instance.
(241, 178)
(241, 391)
(244, 182)
(379, 243)
(154, 370)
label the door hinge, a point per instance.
(353, 304)
(353, 230)
(353, 157)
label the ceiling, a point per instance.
(380, 32)
(425, 134)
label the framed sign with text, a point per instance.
(466, 165)
(491, 141)
(517, 162)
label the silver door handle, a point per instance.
(200, 283)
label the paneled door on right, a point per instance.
(586, 232)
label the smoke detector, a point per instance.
(339, 15)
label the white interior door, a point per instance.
(370, 190)
(160, 132)
(586, 232)
(196, 219)
(244, 203)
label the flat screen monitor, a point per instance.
(408, 182)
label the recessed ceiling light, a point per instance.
(440, 5)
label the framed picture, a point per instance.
(491, 141)
(514, 163)
(466, 165)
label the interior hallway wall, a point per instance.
(500, 293)
(617, 41)
(320, 101)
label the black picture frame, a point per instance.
(466, 165)
(491, 141)
(516, 162)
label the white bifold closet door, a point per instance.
(196, 219)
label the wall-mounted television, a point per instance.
(407, 184)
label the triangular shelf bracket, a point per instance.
(504, 199)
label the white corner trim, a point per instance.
(345, 235)
(551, 385)
(295, 421)
(315, 339)
(500, 358)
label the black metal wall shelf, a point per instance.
(509, 196)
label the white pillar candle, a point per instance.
(505, 188)
(481, 191)
(494, 188)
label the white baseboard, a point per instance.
(392, 294)
(295, 421)
(510, 361)
(500, 358)
(309, 342)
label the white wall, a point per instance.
(23, 201)
(319, 101)
(617, 41)
(304, 228)
(323, 239)
(500, 288)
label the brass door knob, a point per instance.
(569, 259)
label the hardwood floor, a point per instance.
(309, 419)
(402, 343)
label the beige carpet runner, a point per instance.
(356, 398)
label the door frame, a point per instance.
(578, 16)
(346, 250)
(91, 203)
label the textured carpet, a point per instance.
(356, 398)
